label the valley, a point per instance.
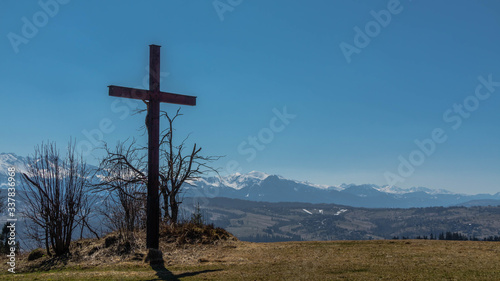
(264, 221)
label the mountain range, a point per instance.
(259, 186)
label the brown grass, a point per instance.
(336, 260)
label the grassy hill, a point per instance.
(194, 252)
(329, 260)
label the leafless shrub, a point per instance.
(57, 198)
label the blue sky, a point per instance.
(356, 116)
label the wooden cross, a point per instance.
(154, 96)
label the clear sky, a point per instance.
(360, 82)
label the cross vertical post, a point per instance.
(153, 201)
(154, 97)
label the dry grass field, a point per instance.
(336, 260)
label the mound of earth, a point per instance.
(185, 243)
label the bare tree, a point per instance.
(121, 176)
(179, 168)
(57, 198)
(127, 163)
(124, 213)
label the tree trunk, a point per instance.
(47, 242)
(174, 210)
(166, 215)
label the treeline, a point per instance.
(454, 236)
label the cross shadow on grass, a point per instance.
(164, 274)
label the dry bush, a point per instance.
(36, 254)
(57, 200)
(192, 233)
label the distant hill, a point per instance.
(484, 202)
(264, 221)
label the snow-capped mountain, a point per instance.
(398, 190)
(236, 181)
(240, 181)
(9, 160)
(259, 186)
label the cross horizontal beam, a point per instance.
(131, 93)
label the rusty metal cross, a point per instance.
(154, 98)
